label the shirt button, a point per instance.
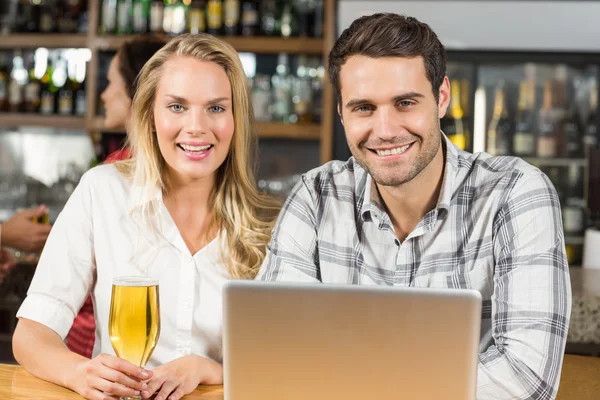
(186, 305)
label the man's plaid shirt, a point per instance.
(497, 228)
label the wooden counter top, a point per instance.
(580, 381)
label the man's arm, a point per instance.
(531, 304)
(292, 253)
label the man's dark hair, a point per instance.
(389, 35)
(132, 57)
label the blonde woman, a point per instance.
(184, 209)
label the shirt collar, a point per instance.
(146, 206)
(451, 171)
(372, 205)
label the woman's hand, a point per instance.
(105, 376)
(180, 377)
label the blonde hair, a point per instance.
(246, 215)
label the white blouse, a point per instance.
(95, 239)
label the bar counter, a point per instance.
(580, 380)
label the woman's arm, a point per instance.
(41, 351)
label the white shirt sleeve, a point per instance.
(66, 270)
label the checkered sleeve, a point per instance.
(292, 253)
(531, 304)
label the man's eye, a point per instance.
(363, 108)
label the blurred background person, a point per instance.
(122, 73)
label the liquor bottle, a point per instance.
(109, 17)
(270, 23)
(175, 17)
(465, 99)
(33, 87)
(80, 101)
(141, 16)
(48, 18)
(591, 125)
(83, 20)
(302, 93)
(66, 94)
(68, 21)
(524, 142)
(33, 24)
(288, 22)
(214, 16)
(281, 86)
(262, 98)
(4, 81)
(18, 79)
(573, 131)
(317, 73)
(125, 17)
(318, 22)
(556, 176)
(167, 19)
(574, 205)
(24, 16)
(156, 16)
(305, 10)
(499, 130)
(80, 97)
(197, 16)
(249, 18)
(48, 105)
(231, 16)
(452, 124)
(548, 127)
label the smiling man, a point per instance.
(411, 209)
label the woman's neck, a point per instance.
(190, 205)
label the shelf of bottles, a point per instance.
(543, 113)
(43, 87)
(54, 23)
(251, 25)
(288, 99)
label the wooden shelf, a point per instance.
(268, 130)
(48, 40)
(274, 130)
(48, 121)
(253, 44)
(323, 133)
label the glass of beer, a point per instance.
(134, 323)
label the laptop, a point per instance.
(295, 341)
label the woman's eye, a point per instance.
(176, 107)
(216, 109)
